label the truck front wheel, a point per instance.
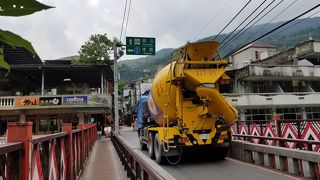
(150, 145)
(158, 150)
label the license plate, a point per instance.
(204, 136)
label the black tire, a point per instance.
(158, 150)
(221, 153)
(143, 146)
(150, 145)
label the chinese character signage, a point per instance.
(75, 100)
(27, 101)
(50, 101)
(140, 46)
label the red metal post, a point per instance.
(90, 136)
(22, 132)
(88, 139)
(82, 156)
(67, 127)
(278, 129)
(95, 132)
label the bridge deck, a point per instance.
(104, 162)
(194, 166)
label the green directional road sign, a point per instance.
(140, 46)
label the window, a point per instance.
(258, 114)
(289, 86)
(313, 112)
(257, 55)
(315, 85)
(289, 113)
(260, 87)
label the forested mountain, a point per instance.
(284, 38)
(143, 68)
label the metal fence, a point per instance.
(55, 156)
(134, 164)
(10, 158)
(295, 134)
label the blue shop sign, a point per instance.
(75, 100)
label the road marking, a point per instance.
(265, 169)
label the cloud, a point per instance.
(60, 32)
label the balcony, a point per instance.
(280, 72)
(307, 50)
(57, 101)
(273, 99)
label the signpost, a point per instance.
(134, 46)
(140, 46)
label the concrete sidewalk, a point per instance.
(104, 162)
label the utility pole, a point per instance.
(116, 44)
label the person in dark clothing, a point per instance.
(99, 130)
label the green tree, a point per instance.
(96, 50)
(122, 84)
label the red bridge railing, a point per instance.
(10, 158)
(55, 156)
(295, 134)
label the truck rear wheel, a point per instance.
(158, 150)
(150, 145)
(222, 153)
(143, 146)
(218, 153)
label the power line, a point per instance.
(280, 26)
(286, 8)
(124, 15)
(243, 21)
(125, 32)
(213, 18)
(298, 22)
(241, 32)
(265, 14)
(233, 19)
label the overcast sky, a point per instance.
(59, 32)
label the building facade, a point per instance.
(278, 86)
(49, 93)
(251, 53)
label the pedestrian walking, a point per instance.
(99, 130)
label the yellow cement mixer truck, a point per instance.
(184, 108)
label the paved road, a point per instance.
(195, 167)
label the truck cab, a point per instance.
(144, 120)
